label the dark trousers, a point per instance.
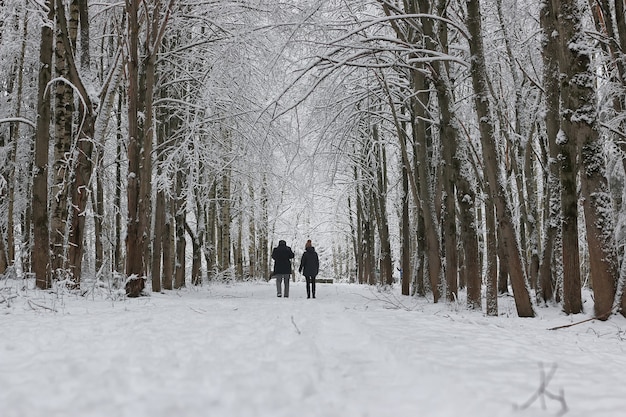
(310, 283)
(279, 279)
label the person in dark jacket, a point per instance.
(309, 267)
(282, 256)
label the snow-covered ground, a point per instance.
(230, 350)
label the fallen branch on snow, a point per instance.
(572, 324)
(33, 304)
(7, 299)
(600, 317)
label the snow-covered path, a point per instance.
(238, 350)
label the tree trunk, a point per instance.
(80, 197)
(596, 197)
(491, 166)
(369, 258)
(599, 222)
(196, 256)
(572, 300)
(580, 123)
(405, 231)
(224, 224)
(503, 267)
(224, 242)
(98, 209)
(117, 200)
(61, 167)
(41, 247)
(452, 177)
(580, 145)
(552, 205)
(134, 239)
(617, 38)
(14, 88)
(146, 131)
(181, 243)
(420, 140)
(491, 259)
(263, 233)
(26, 222)
(159, 235)
(162, 232)
(386, 267)
(83, 11)
(83, 169)
(421, 250)
(468, 230)
(141, 83)
(210, 212)
(409, 186)
(4, 260)
(252, 237)
(238, 249)
(449, 219)
(354, 235)
(532, 221)
(360, 253)
(169, 245)
(518, 152)
(14, 136)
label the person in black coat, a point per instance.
(309, 267)
(282, 256)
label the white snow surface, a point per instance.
(236, 350)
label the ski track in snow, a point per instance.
(239, 351)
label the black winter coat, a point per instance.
(310, 263)
(282, 255)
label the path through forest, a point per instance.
(238, 350)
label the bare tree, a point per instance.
(552, 206)
(41, 247)
(457, 175)
(14, 83)
(61, 167)
(380, 208)
(581, 147)
(83, 167)
(141, 80)
(134, 238)
(491, 163)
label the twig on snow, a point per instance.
(295, 325)
(388, 302)
(543, 392)
(33, 304)
(7, 299)
(197, 310)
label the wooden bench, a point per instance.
(324, 280)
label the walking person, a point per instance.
(282, 256)
(309, 267)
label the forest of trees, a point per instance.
(476, 141)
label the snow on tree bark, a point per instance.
(41, 236)
(552, 205)
(581, 150)
(492, 177)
